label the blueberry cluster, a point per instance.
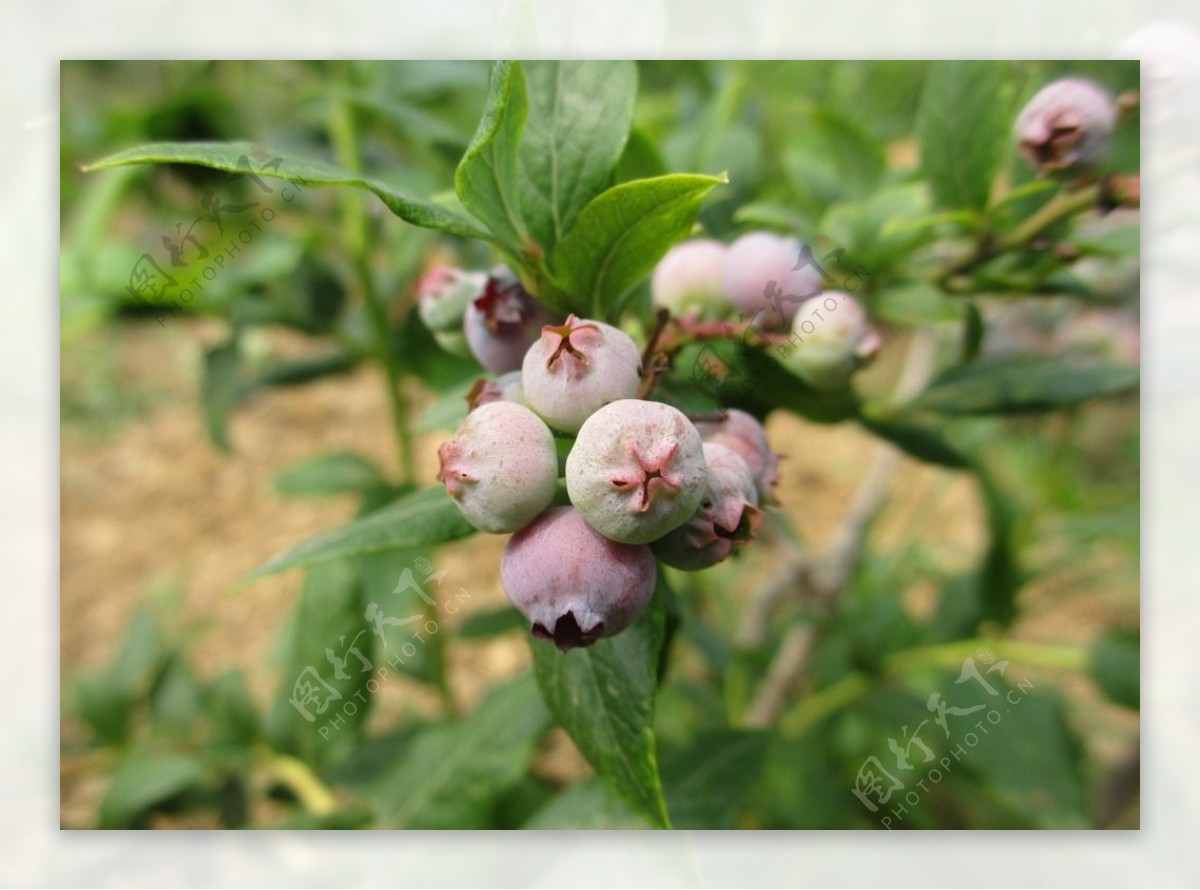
(644, 482)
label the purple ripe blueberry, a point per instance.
(727, 517)
(745, 437)
(636, 470)
(767, 277)
(1066, 127)
(831, 339)
(501, 467)
(577, 367)
(503, 321)
(690, 277)
(572, 583)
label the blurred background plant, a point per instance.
(972, 498)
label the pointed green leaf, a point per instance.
(340, 472)
(451, 774)
(622, 233)
(420, 519)
(315, 714)
(963, 129)
(579, 118)
(143, 780)
(1021, 384)
(603, 696)
(233, 157)
(486, 180)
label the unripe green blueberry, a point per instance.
(577, 367)
(690, 277)
(573, 584)
(1067, 126)
(760, 278)
(443, 294)
(745, 436)
(501, 467)
(503, 321)
(636, 470)
(726, 518)
(830, 340)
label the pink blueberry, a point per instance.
(501, 467)
(690, 277)
(636, 470)
(727, 517)
(747, 438)
(831, 339)
(574, 585)
(1066, 126)
(761, 280)
(577, 367)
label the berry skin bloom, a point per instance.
(503, 321)
(574, 585)
(689, 277)
(578, 367)
(1066, 127)
(727, 517)
(637, 470)
(745, 436)
(501, 467)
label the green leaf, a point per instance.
(1021, 385)
(328, 621)
(341, 472)
(1030, 761)
(451, 774)
(622, 233)
(963, 129)
(486, 180)
(143, 780)
(766, 215)
(1116, 668)
(579, 118)
(973, 332)
(220, 387)
(919, 442)
(830, 159)
(603, 696)
(1000, 576)
(490, 624)
(106, 706)
(709, 778)
(420, 519)
(589, 805)
(233, 157)
(917, 303)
